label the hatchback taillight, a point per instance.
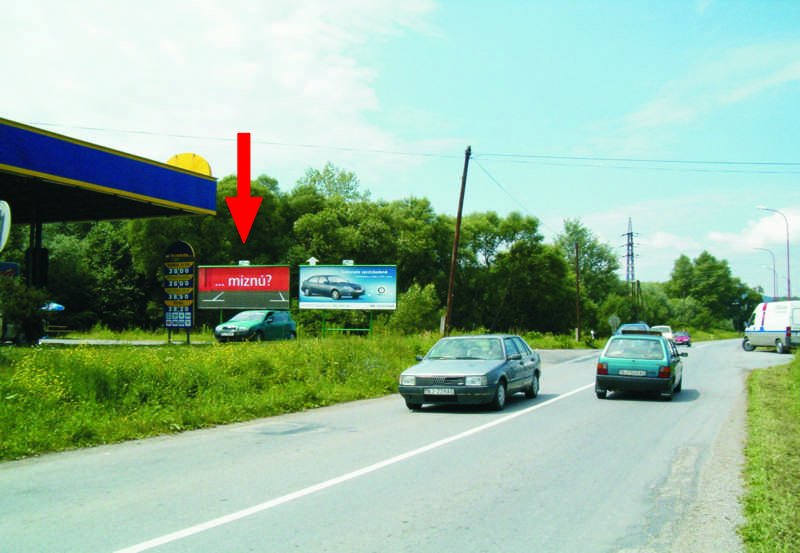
(602, 368)
(664, 372)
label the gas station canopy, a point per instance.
(47, 177)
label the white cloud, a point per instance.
(768, 231)
(289, 72)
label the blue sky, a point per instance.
(574, 110)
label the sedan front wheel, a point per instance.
(499, 400)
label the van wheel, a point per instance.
(746, 345)
(779, 347)
(601, 394)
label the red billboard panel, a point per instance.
(243, 287)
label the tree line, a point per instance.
(508, 278)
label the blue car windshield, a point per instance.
(249, 316)
(467, 348)
(632, 348)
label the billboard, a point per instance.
(243, 287)
(348, 287)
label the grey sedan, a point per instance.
(472, 370)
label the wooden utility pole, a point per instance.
(454, 257)
(577, 292)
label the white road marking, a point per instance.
(238, 515)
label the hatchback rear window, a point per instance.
(635, 349)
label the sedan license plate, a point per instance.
(440, 392)
(226, 333)
(624, 372)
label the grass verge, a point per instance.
(57, 398)
(772, 471)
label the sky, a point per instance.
(678, 116)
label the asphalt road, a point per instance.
(561, 473)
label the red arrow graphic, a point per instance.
(243, 206)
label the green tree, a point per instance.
(21, 306)
(117, 287)
(597, 265)
(418, 309)
(333, 182)
(529, 290)
(681, 279)
(724, 299)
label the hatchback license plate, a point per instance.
(624, 372)
(440, 392)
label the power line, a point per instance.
(640, 160)
(497, 183)
(595, 162)
(510, 195)
(261, 142)
(677, 169)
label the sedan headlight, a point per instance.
(407, 380)
(475, 381)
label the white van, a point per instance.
(774, 324)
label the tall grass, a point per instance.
(55, 398)
(772, 472)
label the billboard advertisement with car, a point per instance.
(243, 287)
(364, 287)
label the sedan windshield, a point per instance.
(467, 348)
(249, 316)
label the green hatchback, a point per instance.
(639, 360)
(257, 325)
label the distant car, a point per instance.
(632, 326)
(682, 339)
(483, 369)
(331, 286)
(257, 325)
(636, 360)
(663, 329)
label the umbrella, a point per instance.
(52, 306)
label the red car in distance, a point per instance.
(682, 339)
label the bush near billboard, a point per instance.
(243, 287)
(364, 287)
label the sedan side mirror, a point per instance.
(684, 354)
(418, 358)
(515, 357)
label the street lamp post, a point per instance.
(774, 280)
(788, 276)
(774, 272)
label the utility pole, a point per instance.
(577, 291)
(454, 257)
